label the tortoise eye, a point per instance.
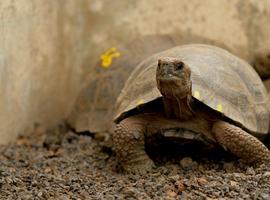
(159, 63)
(179, 65)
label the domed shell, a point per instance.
(220, 80)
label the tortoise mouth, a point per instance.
(173, 87)
(173, 82)
(169, 78)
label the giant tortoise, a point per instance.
(196, 87)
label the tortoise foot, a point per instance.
(140, 168)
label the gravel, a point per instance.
(61, 164)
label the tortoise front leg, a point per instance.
(129, 146)
(240, 143)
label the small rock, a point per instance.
(246, 196)
(202, 181)
(48, 170)
(233, 183)
(265, 196)
(250, 171)
(188, 163)
(180, 186)
(40, 194)
(184, 195)
(64, 197)
(129, 191)
(266, 174)
(238, 175)
(84, 194)
(174, 178)
(171, 193)
(169, 190)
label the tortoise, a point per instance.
(196, 87)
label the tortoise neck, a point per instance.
(178, 108)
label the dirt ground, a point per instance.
(62, 165)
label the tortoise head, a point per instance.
(173, 78)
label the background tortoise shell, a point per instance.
(220, 80)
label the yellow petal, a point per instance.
(140, 102)
(197, 94)
(219, 107)
(107, 57)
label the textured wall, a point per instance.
(47, 47)
(40, 44)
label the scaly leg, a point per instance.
(241, 143)
(129, 146)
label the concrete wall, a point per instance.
(47, 47)
(40, 44)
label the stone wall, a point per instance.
(47, 48)
(40, 44)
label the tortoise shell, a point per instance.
(220, 80)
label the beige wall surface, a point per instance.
(47, 47)
(40, 44)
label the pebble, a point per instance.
(265, 196)
(250, 171)
(187, 163)
(174, 178)
(129, 191)
(40, 194)
(233, 183)
(238, 175)
(266, 173)
(171, 193)
(180, 185)
(202, 181)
